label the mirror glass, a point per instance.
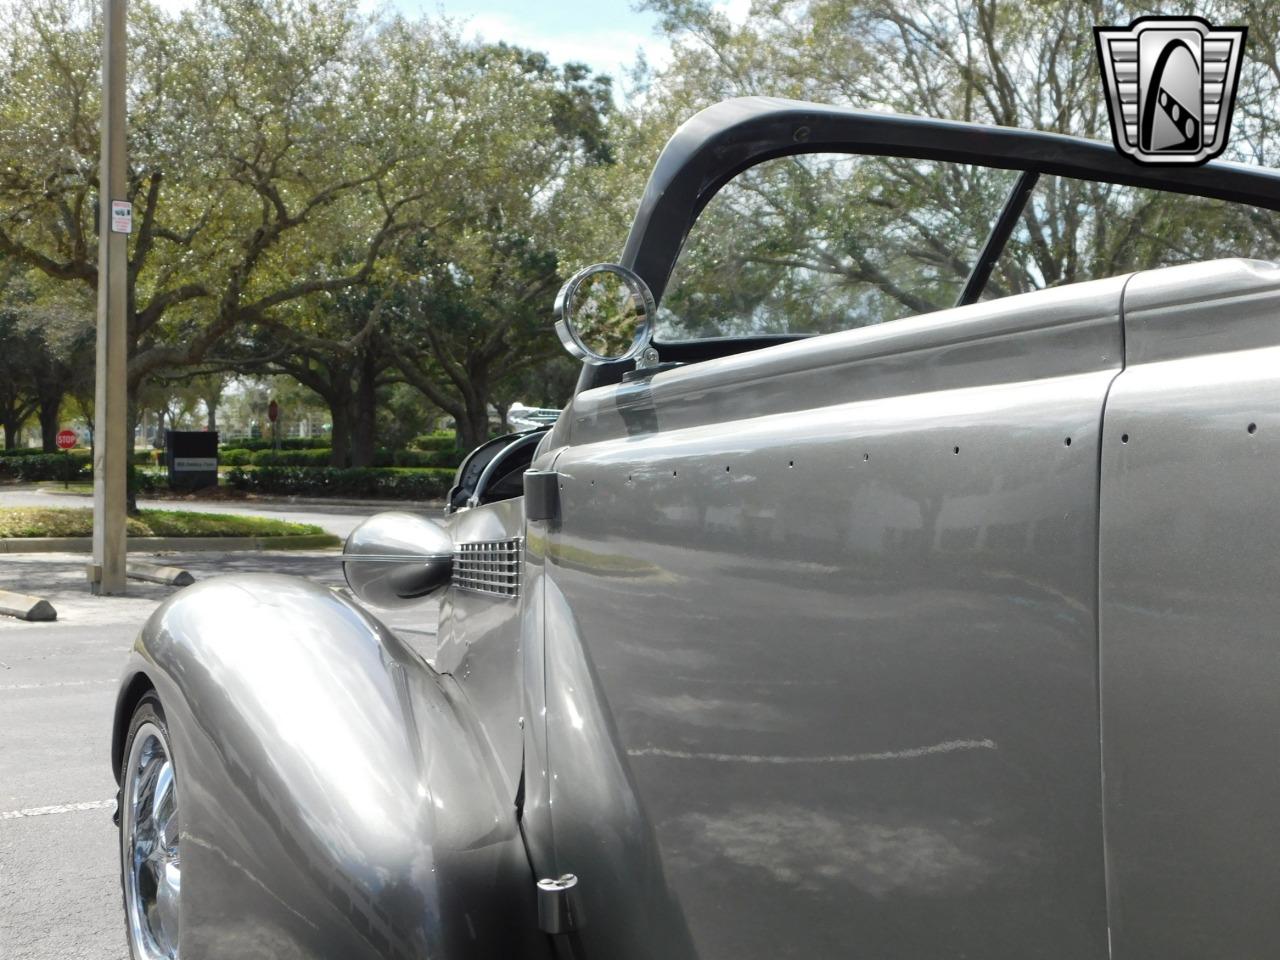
(608, 311)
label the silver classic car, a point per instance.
(900, 582)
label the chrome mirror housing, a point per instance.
(394, 559)
(605, 313)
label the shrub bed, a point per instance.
(24, 452)
(450, 458)
(255, 444)
(446, 459)
(291, 458)
(44, 466)
(444, 440)
(373, 482)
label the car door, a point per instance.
(820, 630)
(1190, 662)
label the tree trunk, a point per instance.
(211, 404)
(473, 429)
(476, 403)
(340, 437)
(50, 407)
(10, 434)
(364, 441)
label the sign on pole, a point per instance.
(121, 216)
(67, 439)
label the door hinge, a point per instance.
(541, 495)
(559, 905)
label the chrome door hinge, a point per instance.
(559, 905)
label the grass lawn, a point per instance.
(78, 522)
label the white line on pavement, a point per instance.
(56, 683)
(60, 808)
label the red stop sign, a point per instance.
(67, 439)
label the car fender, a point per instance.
(335, 797)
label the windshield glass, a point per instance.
(823, 242)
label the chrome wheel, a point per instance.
(151, 859)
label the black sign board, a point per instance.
(192, 458)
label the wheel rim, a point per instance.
(152, 861)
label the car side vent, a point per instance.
(489, 566)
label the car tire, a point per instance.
(150, 837)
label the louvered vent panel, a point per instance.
(489, 566)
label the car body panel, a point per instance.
(478, 642)
(815, 680)
(1190, 561)
(337, 798)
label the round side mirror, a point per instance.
(394, 559)
(605, 313)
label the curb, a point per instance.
(168, 576)
(306, 541)
(308, 501)
(25, 607)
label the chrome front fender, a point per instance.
(336, 800)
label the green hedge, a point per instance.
(24, 452)
(444, 440)
(372, 482)
(291, 458)
(447, 459)
(234, 457)
(286, 443)
(44, 466)
(450, 458)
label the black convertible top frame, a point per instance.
(720, 142)
(717, 144)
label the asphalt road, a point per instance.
(59, 887)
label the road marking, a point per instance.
(947, 746)
(56, 683)
(60, 808)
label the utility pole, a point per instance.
(111, 446)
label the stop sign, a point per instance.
(67, 439)
(273, 411)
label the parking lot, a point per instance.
(59, 892)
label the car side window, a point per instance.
(823, 242)
(1075, 230)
